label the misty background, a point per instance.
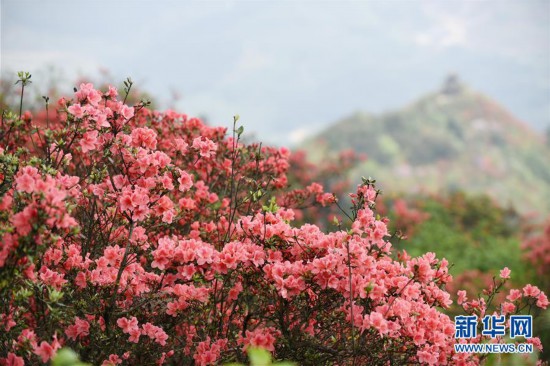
(288, 68)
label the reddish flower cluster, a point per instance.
(408, 218)
(537, 249)
(138, 237)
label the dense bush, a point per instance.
(139, 237)
(472, 231)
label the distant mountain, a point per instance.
(452, 139)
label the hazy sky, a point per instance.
(289, 67)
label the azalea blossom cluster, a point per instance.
(139, 237)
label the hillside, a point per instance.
(452, 139)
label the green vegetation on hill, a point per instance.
(454, 139)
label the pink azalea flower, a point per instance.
(25, 183)
(514, 295)
(81, 328)
(461, 297)
(542, 301)
(185, 181)
(46, 350)
(205, 146)
(144, 137)
(127, 324)
(89, 141)
(508, 308)
(532, 291)
(76, 110)
(127, 112)
(14, 360)
(505, 273)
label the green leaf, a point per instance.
(259, 357)
(55, 295)
(67, 357)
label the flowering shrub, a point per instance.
(139, 237)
